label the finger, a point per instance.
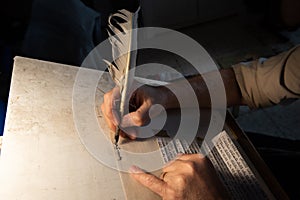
(191, 156)
(115, 102)
(107, 118)
(171, 162)
(148, 180)
(168, 164)
(138, 118)
(181, 161)
(109, 107)
(115, 117)
(187, 161)
(122, 134)
(130, 132)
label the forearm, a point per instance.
(232, 91)
(271, 81)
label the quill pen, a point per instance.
(123, 38)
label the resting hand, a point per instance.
(188, 177)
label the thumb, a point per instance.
(138, 118)
(148, 180)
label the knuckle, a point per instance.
(138, 121)
(148, 180)
(142, 118)
(181, 181)
(190, 166)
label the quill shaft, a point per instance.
(128, 75)
(123, 37)
(117, 135)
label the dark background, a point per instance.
(16, 16)
(64, 31)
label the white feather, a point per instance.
(123, 38)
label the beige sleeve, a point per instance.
(269, 82)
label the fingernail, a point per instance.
(134, 169)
